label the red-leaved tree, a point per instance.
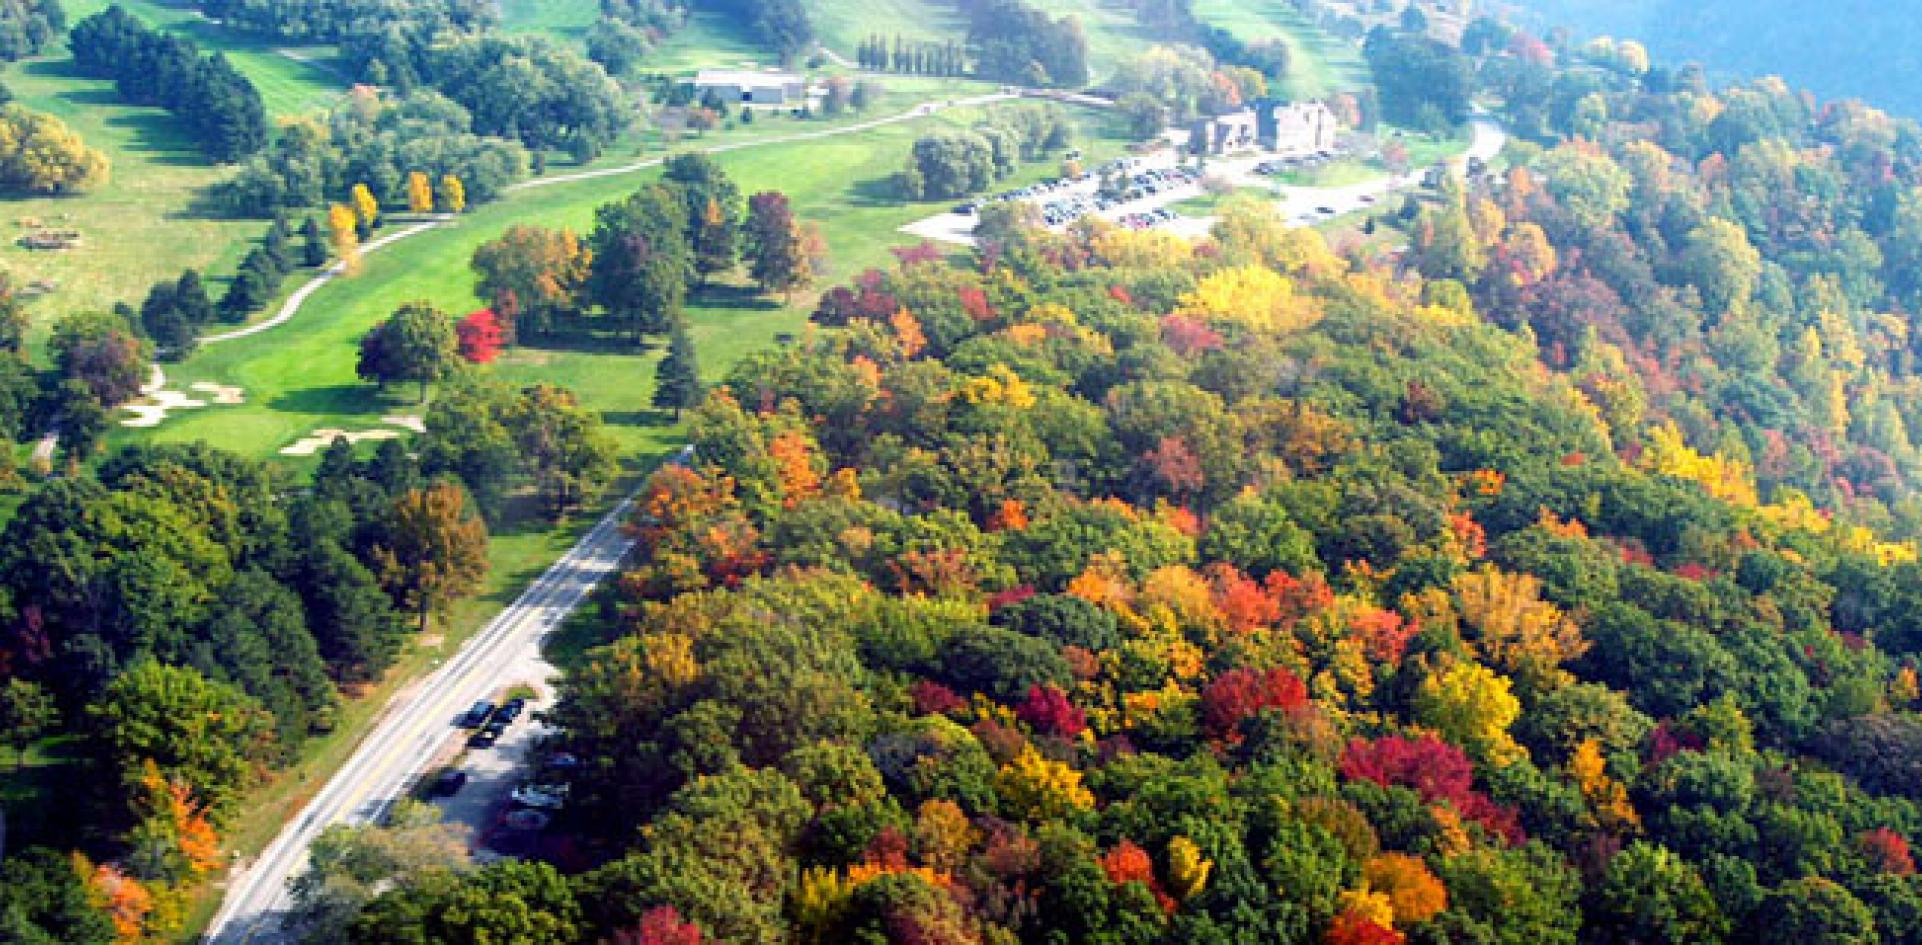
(481, 337)
(1242, 693)
(661, 925)
(1433, 768)
(1048, 711)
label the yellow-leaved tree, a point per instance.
(1472, 706)
(1414, 894)
(1514, 628)
(1187, 869)
(346, 239)
(366, 208)
(1252, 297)
(1607, 798)
(1040, 788)
(420, 194)
(453, 194)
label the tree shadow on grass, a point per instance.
(638, 418)
(874, 192)
(719, 295)
(342, 399)
(586, 341)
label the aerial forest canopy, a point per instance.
(1536, 561)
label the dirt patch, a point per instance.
(406, 422)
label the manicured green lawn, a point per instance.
(143, 225)
(1319, 64)
(148, 222)
(843, 24)
(292, 81)
(566, 19)
(300, 376)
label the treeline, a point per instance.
(1176, 19)
(378, 140)
(944, 165)
(628, 30)
(175, 311)
(333, 21)
(915, 57)
(1420, 83)
(219, 106)
(1016, 42)
(29, 27)
(780, 25)
(188, 619)
(524, 88)
(634, 270)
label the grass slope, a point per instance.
(1320, 64)
(145, 224)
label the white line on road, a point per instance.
(389, 759)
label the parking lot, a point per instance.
(1154, 182)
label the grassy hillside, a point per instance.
(1319, 64)
(301, 376)
(145, 224)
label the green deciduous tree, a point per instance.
(418, 343)
(434, 551)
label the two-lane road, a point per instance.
(411, 730)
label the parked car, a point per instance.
(543, 796)
(477, 715)
(511, 710)
(485, 738)
(449, 783)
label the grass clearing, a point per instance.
(301, 376)
(561, 19)
(147, 223)
(292, 81)
(1320, 64)
(843, 24)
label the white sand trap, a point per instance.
(221, 394)
(406, 422)
(156, 401)
(156, 405)
(323, 438)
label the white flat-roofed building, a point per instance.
(752, 87)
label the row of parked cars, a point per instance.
(490, 722)
(1147, 219)
(1284, 165)
(1134, 183)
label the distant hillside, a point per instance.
(1870, 49)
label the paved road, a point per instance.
(412, 728)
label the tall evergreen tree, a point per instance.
(677, 379)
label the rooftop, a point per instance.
(744, 77)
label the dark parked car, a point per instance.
(484, 738)
(477, 715)
(511, 710)
(449, 783)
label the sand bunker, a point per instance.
(154, 407)
(220, 394)
(156, 401)
(323, 438)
